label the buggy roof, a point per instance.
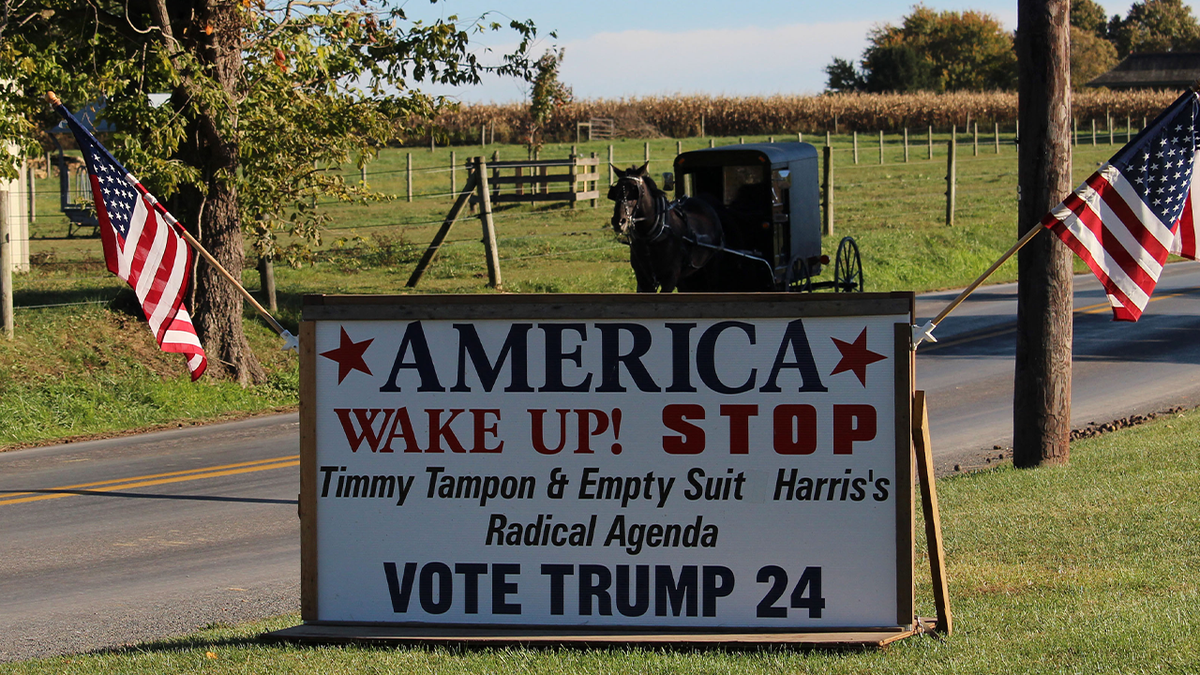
(775, 153)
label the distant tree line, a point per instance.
(970, 51)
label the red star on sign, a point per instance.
(349, 356)
(856, 357)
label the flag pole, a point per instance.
(290, 341)
(922, 333)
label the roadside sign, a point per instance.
(665, 463)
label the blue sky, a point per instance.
(618, 48)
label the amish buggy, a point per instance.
(745, 218)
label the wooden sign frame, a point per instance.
(909, 426)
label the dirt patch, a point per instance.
(999, 454)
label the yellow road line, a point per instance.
(1098, 308)
(153, 479)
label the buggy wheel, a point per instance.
(847, 267)
(798, 278)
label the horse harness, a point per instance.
(662, 212)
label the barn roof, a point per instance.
(1152, 70)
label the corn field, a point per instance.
(688, 116)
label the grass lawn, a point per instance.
(1089, 568)
(81, 365)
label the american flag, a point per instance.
(142, 247)
(1136, 209)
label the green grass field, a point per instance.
(1088, 568)
(69, 349)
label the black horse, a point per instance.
(668, 242)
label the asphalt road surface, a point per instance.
(118, 541)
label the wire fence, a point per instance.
(891, 178)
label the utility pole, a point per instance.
(1042, 378)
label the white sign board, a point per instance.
(609, 461)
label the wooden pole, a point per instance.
(996, 135)
(453, 172)
(906, 145)
(573, 173)
(881, 146)
(931, 513)
(951, 179)
(827, 224)
(930, 142)
(408, 174)
(610, 163)
(6, 260)
(596, 170)
(440, 235)
(712, 142)
(30, 180)
(855, 135)
(266, 280)
(1042, 378)
(975, 129)
(702, 126)
(646, 152)
(678, 147)
(489, 227)
(1093, 131)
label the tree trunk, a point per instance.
(1042, 382)
(214, 37)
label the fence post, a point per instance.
(408, 174)
(597, 172)
(266, 281)
(495, 174)
(702, 126)
(1128, 129)
(827, 225)
(951, 180)
(6, 257)
(827, 143)
(29, 180)
(1075, 132)
(855, 136)
(976, 130)
(996, 135)
(799, 136)
(1111, 119)
(906, 145)
(573, 173)
(881, 146)
(930, 138)
(646, 152)
(489, 227)
(1093, 131)
(712, 142)
(482, 135)
(678, 148)
(453, 174)
(610, 164)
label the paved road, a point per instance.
(116, 541)
(161, 534)
(1119, 368)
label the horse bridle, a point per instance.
(661, 210)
